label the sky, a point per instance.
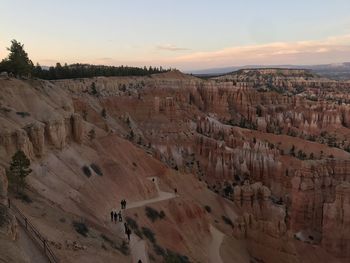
(186, 34)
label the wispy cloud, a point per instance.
(170, 47)
(331, 49)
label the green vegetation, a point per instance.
(170, 256)
(153, 214)
(104, 113)
(96, 169)
(228, 190)
(134, 226)
(3, 215)
(18, 171)
(17, 62)
(123, 247)
(88, 71)
(81, 228)
(227, 220)
(23, 114)
(94, 91)
(24, 197)
(92, 134)
(207, 208)
(148, 233)
(86, 170)
(173, 257)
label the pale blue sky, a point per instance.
(186, 34)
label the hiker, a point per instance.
(128, 232)
(175, 190)
(122, 203)
(115, 217)
(112, 214)
(126, 227)
(120, 216)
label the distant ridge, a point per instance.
(339, 71)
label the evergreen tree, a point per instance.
(17, 61)
(292, 151)
(92, 134)
(104, 113)
(93, 89)
(18, 171)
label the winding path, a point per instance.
(29, 247)
(214, 248)
(138, 245)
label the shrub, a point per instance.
(161, 214)
(81, 228)
(3, 215)
(86, 171)
(5, 110)
(153, 214)
(207, 208)
(173, 257)
(158, 250)
(104, 113)
(92, 134)
(24, 197)
(107, 239)
(124, 248)
(23, 114)
(148, 234)
(133, 225)
(227, 220)
(96, 169)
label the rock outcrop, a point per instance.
(3, 187)
(336, 222)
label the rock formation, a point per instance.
(3, 187)
(336, 222)
(265, 149)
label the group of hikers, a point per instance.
(118, 217)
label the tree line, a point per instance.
(88, 70)
(19, 64)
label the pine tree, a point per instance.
(17, 61)
(92, 134)
(18, 171)
(104, 113)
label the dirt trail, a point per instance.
(214, 248)
(30, 248)
(137, 245)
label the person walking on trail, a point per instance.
(175, 190)
(115, 217)
(122, 203)
(120, 216)
(125, 227)
(128, 233)
(112, 215)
